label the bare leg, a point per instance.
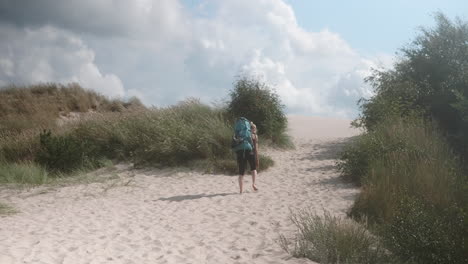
(241, 179)
(254, 174)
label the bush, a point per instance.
(354, 159)
(429, 78)
(254, 100)
(421, 233)
(330, 239)
(412, 184)
(22, 173)
(411, 157)
(387, 137)
(65, 153)
(412, 181)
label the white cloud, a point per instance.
(313, 72)
(165, 52)
(48, 54)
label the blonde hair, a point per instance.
(253, 127)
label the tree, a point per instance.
(257, 102)
(431, 78)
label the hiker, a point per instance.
(244, 142)
(255, 142)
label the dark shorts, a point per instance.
(242, 158)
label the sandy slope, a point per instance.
(178, 216)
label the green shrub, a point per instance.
(421, 233)
(22, 173)
(412, 158)
(387, 137)
(429, 78)
(65, 153)
(354, 159)
(254, 100)
(330, 239)
(411, 182)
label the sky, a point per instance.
(314, 54)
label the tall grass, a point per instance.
(329, 239)
(25, 111)
(22, 173)
(174, 135)
(170, 136)
(412, 188)
(408, 157)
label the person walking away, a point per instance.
(255, 142)
(243, 145)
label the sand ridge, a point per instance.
(180, 216)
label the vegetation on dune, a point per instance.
(410, 162)
(27, 173)
(429, 80)
(329, 239)
(38, 106)
(37, 143)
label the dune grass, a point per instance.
(413, 190)
(25, 111)
(329, 239)
(6, 209)
(27, 173)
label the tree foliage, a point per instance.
(257, 102)
(431, 78)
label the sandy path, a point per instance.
(178, 216)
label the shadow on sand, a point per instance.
(328, 150)
(192, 197)
(323, 168)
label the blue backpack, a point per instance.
(242, 139)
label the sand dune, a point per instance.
(179, 216)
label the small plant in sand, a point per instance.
(6, 209)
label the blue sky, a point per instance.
(375, 26)
(315, 54)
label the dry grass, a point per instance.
(328, 239)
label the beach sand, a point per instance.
(181, 216)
